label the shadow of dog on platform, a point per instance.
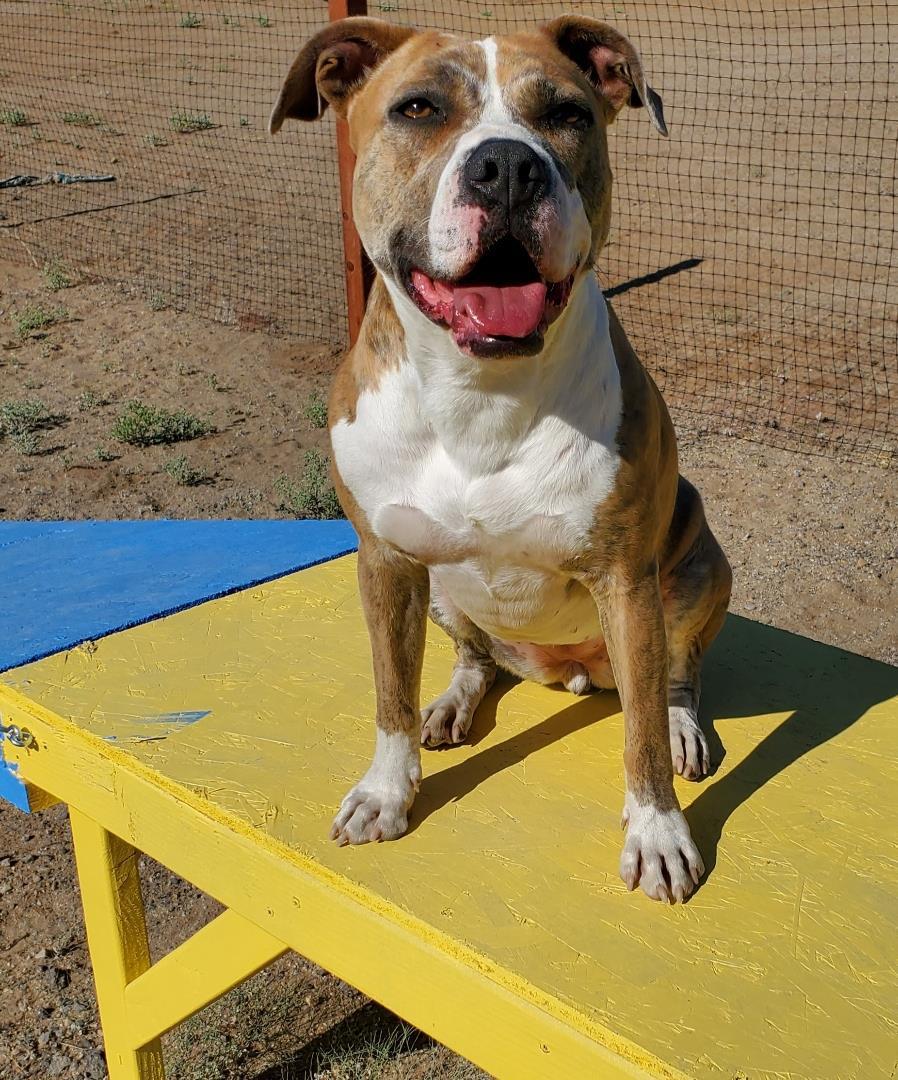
(823, 689)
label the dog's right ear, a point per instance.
(332, 65)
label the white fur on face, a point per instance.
(495, 110)
(454, 228)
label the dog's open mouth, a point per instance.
(502, 306)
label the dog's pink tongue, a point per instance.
(513, 311)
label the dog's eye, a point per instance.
(418, 108)
(570, 115)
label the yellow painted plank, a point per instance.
(117, 935)
(214, 960)
(506, 888)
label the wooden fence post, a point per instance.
(356, 267)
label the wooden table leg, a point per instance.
(117, 937)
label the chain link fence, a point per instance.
(752, 257)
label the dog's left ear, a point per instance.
(610, 62)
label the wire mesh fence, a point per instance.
(752, 257)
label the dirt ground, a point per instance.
(813, 542)
(104, 351)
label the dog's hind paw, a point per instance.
(688, 745)
(448, 718)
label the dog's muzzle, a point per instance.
(501, 303)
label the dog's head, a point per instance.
(482, 185)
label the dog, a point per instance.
(508, 464)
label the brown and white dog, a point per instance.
(501, 452)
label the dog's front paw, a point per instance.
(688, 745)
(367, 815)
(659, 854)
(377, 807)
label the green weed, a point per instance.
(56, 276)
(183, 473)
(34, 318)
(81, 119)
(315, 410)
(149, 425)
(728, 316)
(26, 443)
(185, 122)
(190, 21)
(88, 400)
(13, 117)
(311, 495)
(367, 1055)
(247, 500)
(22, 422)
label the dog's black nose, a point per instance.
(505, 173)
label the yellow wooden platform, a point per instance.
(220, 740)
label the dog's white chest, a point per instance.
(494, 518)
(521, 514)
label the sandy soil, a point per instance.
(107, 350)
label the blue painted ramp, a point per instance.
(62, 583)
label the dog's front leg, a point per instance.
(395, 593)
(658, 854)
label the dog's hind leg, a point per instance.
(688, 745)
(448, 718)
(696, 593)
